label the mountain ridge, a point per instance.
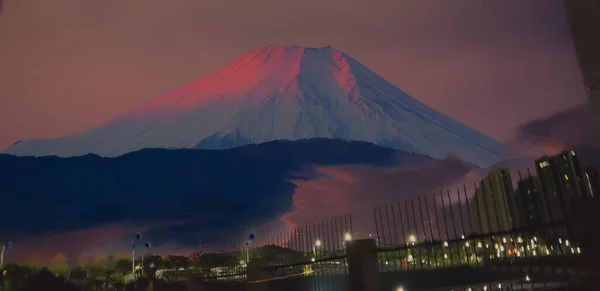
(257, 177)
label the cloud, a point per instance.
(357, 189)
(568, 128)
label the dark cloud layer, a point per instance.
(569, 128)
(68, 65)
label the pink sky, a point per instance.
(68, 65)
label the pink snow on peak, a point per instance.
(274, 67)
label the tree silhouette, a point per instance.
(45, 280)
(123, 266)
(175, 261)
(152, 263)
(59, 264)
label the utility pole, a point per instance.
(136, 239)
(4, 249)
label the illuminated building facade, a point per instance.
(562, 178)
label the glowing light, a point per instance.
(462, 236)
(318, 243)
(348, 237)
(400, 288)
(527, 278)
(467, 244)
(567, 242)
(445, 243)
(479, 245)
(312, 260)
(307, 270)
(445, 256)
(578, 250)
(412, 238)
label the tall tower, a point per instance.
(584, 20)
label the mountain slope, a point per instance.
(281, 93)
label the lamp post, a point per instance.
(247, 244)
(146, 247)
(137, 237)
(4, 249)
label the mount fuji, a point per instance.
(280, 93)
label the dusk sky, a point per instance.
(69, 65)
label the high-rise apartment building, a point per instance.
(494, 204)
(528, 202)
(561, 178)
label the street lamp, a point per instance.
(4, 249)
(146, 246)
(412, 239)
(347, 237)
(247, 244)
(136, 238)
(317, 244)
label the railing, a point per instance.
(482, 237)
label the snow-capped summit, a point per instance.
(281, 93)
